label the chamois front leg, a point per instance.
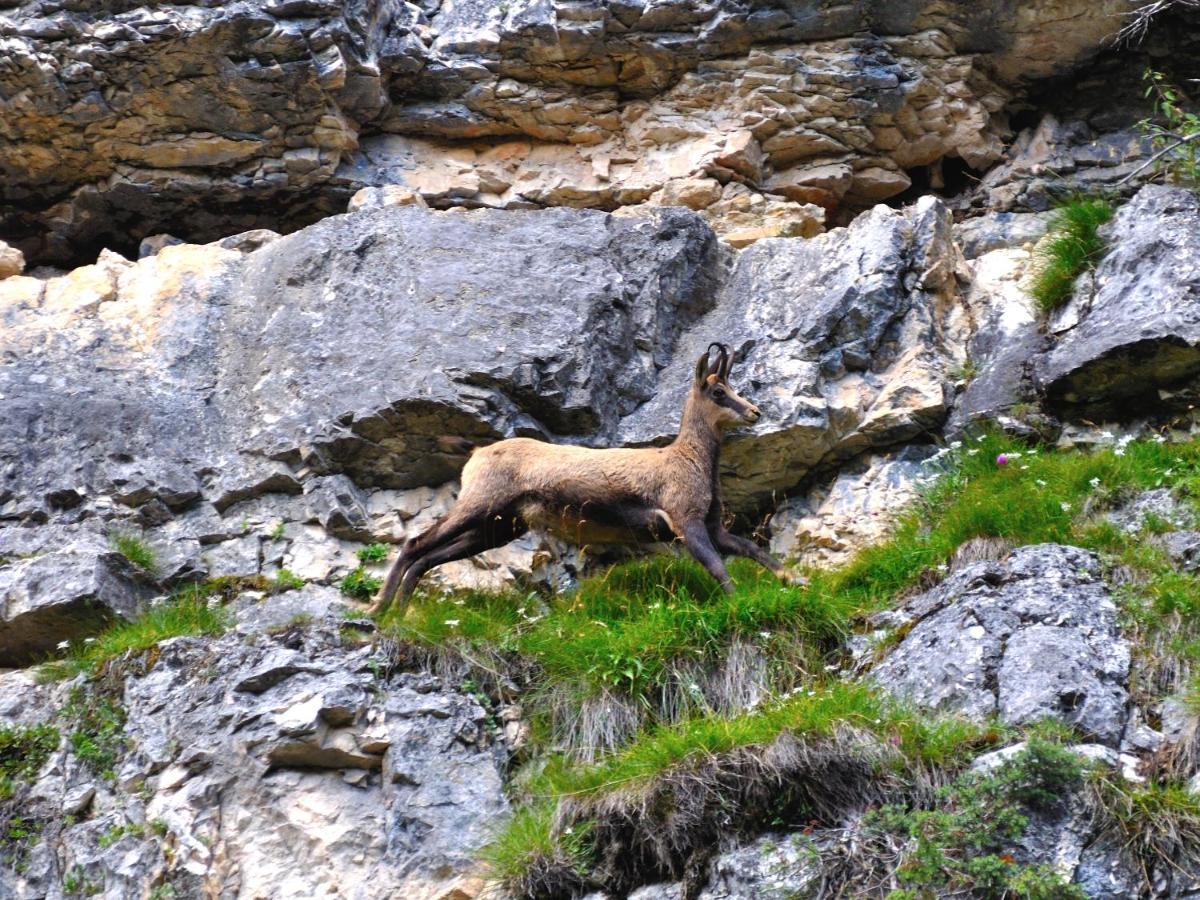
(733, 545)
(698, 543)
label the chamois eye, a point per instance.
(718, 393)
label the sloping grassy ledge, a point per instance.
(652, 641)
(657, 808)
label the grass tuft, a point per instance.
(135, 549)
(1074, 245)
(194, 610)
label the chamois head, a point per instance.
(713, 396)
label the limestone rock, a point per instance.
(1007, 338)
(836, 341)
(386, 786)
(1138, 335)
(1031, 637)
(857, 508)
(12, 261)
(63, 593)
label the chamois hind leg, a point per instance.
(447, 528)
(698, 543)
(732, 545)
(495, 532)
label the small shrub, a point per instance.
(359, 585)
(135, 549)
(963, 842)
(1175, 134)
(1074, 246)
(114, 834)
(372, 553)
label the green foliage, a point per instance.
(192, 610)
(1074, 245)
(23, 751)
(286, 580)
(372, 553)
(135, 549)
(966, 371)
(963, 842)
(116, 832)
(360, 585)
(97, 722)
(277, 533)
(1174, 130)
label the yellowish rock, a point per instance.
(12, 261)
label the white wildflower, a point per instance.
(453, 623)
(89, 640)
(1159, 439)
(1040, 483)
(764, 634)
(956, 445)
(1013, 454)
(981, 439)
(943, 568)
(972, 451)
(1023, 468)
(1118, 450)
(1066, 507)
(1106, 435)
(63, 645)
(1095, 483)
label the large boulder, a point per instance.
(1033, 636)
(64, 587)
(1136, 335)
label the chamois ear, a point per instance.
(702, 367)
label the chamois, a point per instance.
(590, 496)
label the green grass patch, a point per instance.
(372, 553)
(1156, 825)
(359, 585)
(193, 610)
(23, 752)
(633, 646)
(285, 580)
(1074, 245)
(97, 722)
(818, 752)
(136, 549)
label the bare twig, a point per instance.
(1139, 19)
(1159, 155)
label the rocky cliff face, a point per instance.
(556, 207)
(207, 119)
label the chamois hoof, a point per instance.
(792, 579)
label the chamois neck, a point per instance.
(699, 436)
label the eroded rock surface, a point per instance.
(276, 766)
(1033, 636)
(111, 133)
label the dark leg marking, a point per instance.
(696, 539)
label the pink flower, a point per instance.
(1001, 460)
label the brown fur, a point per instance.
(589, 496)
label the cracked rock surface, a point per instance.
(1033, 636)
